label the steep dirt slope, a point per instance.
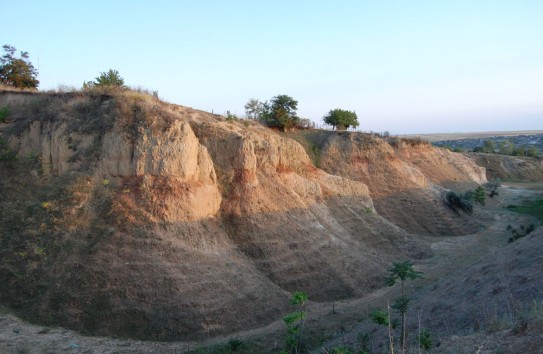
(405, 177)
(510, 167)
(126, 216)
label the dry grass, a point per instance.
(15, 89)
(415, 141)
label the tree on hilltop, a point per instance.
(253, 108)
(17, 71)
(341, 119)
(280, 112)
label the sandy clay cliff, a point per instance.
(125, 216)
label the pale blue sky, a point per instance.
(404, 66)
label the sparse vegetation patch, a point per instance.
(533, 207)
(4, 112)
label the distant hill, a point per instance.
(474, 135)
(525, 142)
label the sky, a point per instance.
(406, 67)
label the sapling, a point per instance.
(401, 272)
(295, 323)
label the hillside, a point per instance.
(125, 216)
(503, 167)
(406, 178)
(480, 292)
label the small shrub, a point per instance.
(299, 298)
(231, 117)
(380, 317)
(4, 112)
(458, 201)
(6, 153)
(425, 340)
(493, 188)
(479, 195)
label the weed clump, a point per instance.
(4, 112)
(6, 153)
(523, 231)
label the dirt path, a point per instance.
(325, 320)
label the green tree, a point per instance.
(109, 78)
(402, 272)
(280, 112)
(506, 147)
(341, 119)
(532, 152)
(17, 71)
(489, 147)
(253, 108)
(524, 150)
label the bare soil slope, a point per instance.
(124, 216)
(479, 294)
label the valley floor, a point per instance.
(330, 324)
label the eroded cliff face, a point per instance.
(143, 219)
(406, 179)
(441, 166)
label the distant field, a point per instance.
(472, 135)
